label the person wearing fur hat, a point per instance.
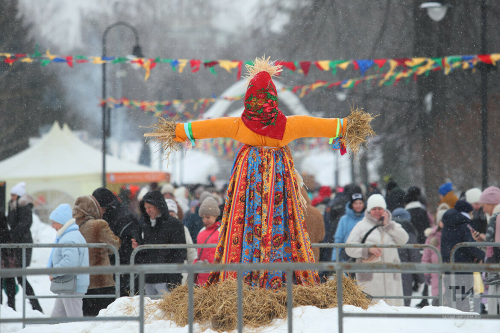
(410, 280)
(68, 233)
(479, 221)
(159, 227)
(124, 225)
(378, 227)
(209, 234)
(354, 212)
(88, 217)
(446, 195)
(264, 188)
(419, 217)
(431, 257)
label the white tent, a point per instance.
(61, 162)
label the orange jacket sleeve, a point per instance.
(233, 127)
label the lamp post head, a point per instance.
(137, 51)
(435, 10)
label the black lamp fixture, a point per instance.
(436, 9)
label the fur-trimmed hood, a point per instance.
(22, 201)
(86, 208)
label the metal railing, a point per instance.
(439, 297)
(340, 268)
(85, 245)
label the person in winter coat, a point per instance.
(191, 253)
(20, 219)
(68, 233)
(419, 217)
(354, 212)
(454, 231)
(404, 218)
(446, 195)
(159, 227)
(383, 231)
(193, 221)
(479, 221)
(124, 225)
(8, 261)
(209, 234)
(87, 215)
(168, 192)
(431, 257)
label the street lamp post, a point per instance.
(437, 11)
(105, 111)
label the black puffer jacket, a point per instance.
(166, 230)
(20, 219)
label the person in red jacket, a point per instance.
(209, 234)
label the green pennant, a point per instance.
(333, 65)
(454, 59)
(80, 57)
(164, 60)
(120, 60)
(212, 69)
(37, 53)
(45, 62)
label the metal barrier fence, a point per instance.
(86, 245)
(340, 268)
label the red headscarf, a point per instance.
(261, 114)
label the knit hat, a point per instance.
(472, 195)
(62, 214)
(401, 214)
(209, 207)
(167, 188)
(261, 114)
(105, 197)
(18, 189)
(439, 215)
(172, 206)
(375, 200)
(414, 194)
(463, 206)
(205, 195)
(354, 197)
(490, 196)
(445, 188)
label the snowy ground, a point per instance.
(305, 319)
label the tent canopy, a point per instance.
(61, 161)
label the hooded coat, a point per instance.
(166, 230)
(20, 219)
(87, 216)
(346, 224)
(456, 231)
(386, 284)
(419, 219)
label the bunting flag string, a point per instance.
(448, 63)
(416, 67)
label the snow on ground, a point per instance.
(305, 319)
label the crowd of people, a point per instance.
(169, 215)
(357, 214)
(163, 215)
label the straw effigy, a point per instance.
(215, 307)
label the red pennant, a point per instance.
(152, 63)
(305, 65)
(238, 76)
(10, 61)
(355, 64)
(208, 64)
(486, 58)
(69, 60)
(138, 61)
(334, 84)
(296, 88)
(402, 61)
(195, 65)
(288, 64)
(380, 62)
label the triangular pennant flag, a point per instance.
(323, 65)
(182, 64)
(228, 65)
(380, 62)
(305, 65)
(364, 65)
(195, 65)
(288, 64)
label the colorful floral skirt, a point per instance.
(263, 221)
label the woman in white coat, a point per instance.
(385, 231)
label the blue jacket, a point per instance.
(72, 256)
(346, 224)
(456, 231)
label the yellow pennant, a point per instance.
(228, 64)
